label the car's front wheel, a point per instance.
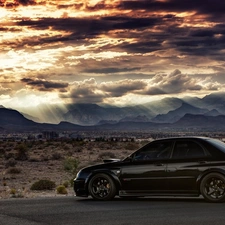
(213, 187)
(102, 187)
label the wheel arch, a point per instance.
(107, 172)
(205, 173)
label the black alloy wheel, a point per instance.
(102, 187)
(213, 187)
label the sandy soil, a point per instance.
(24, 163)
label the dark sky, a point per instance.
(110, 52)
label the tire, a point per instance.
(102, 187)
(212, 187)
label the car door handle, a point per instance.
(171, 170)
(202, 162)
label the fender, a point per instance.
(211, 170)
(105, 171)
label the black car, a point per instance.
(183, 166)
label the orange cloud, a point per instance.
(15, 3)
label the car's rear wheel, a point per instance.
(102, 187)
(213, 187)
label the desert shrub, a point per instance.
(14, 170)
(78, 150)
(131, 146)
(66, 148)
(13, 191)
(10, 163)
(56, 156)
(22, 152)
(104, 155)
(69, 153)
(31, 144)
(2, 151)
(43, 185)
(79, 143)
(72, 182)
(9, 155)
(44, 157)
(49, 143)
(70, 164)
(34, 159)
(15, 194)
(61, 189)
(66, 184)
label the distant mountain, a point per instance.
(167, 112)
(195, 101)
(90, 114)
(130, 126)
(106, 122)
(12, 121)
(45, 113)
(214, 99)
(175, 115)
(163, 106)
(12, 117)
(29, 117)
(139, 118)
(201, 121)
(188, 122)
(213, 112)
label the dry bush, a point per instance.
(22, 152)
(61, 189)
(9, 155)
(105, 155)
(66, 184)
(70, 164)
(34, 159)
(14, 170)
(56, 156)
(43, 185)
(132, 146)
(10, 163)
(44, 157)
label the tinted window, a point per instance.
(187, 149)
(218, 144)
(153, 151)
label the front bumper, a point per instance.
(79, 188)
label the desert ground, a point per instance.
(23, 163)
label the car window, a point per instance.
(218, 144)
(187, 149)
(154, 151)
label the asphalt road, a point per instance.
(72, 210)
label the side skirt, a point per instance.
(123, 193)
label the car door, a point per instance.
(185, 165)
(146, 172)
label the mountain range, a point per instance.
(168, 113)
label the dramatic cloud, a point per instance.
(176, 82)
(161, 84)
(123, 87)
(4, 91)
(43, 85)
(106, 51)
(84, 92)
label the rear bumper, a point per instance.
(79, 188)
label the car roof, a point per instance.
(183, 137)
